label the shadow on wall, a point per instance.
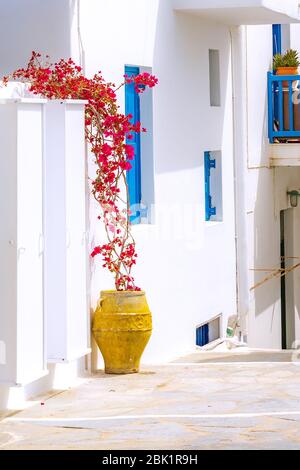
(268, 230)
(266, 250)
(185, 123)
(33, 29)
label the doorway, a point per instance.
(287, 282)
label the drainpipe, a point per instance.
(80, 43)
(88, 358)
(239, 100)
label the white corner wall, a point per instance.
(266, 196)
(186, 266)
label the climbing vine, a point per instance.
(107, 132)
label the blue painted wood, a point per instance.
(291, 107)
(280, 90)
(206, 334)
(202, 335)
(282, 78)
(280, 104)
(133, 176)
(277, 49)
(270, 105)
(277, 41)
(287, 134)
(209, 163)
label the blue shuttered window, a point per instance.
(202, 335)
(209, 163)
(132, 106)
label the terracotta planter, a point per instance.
(122, 327)
(287, 71)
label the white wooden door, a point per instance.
(21, 267)
(55, 231)
(76, 227)
(8, 242)
(30, 321)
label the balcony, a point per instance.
(284, 119)
(240, 12)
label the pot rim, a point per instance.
(295, 69)
(121, 292)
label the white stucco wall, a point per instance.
(266, 191)
(239, 12)
(49, 27)
(186, 266)
(41, 25)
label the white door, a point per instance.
(30, 327)
(76, 239)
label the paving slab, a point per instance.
(175, 406)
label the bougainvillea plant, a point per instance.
(107, 132)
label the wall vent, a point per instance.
(214, 78)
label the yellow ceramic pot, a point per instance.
(122, 327)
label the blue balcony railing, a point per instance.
(283, 107)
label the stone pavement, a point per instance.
(192, 404)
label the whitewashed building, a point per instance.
(216, 216)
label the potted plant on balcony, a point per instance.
(122, 322)
(287, 64)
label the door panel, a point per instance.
(30, 336)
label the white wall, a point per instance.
(45, 26)
(49, 27)
(266, 197)
(186, 266)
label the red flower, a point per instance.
(110, 178)
(106, 133)
(106, 149)
(125, 165)
(96, 251)
(129, 150)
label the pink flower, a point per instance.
(106, 150)
(129, 150)
(108, 134)
(125, 166)
(96, 251)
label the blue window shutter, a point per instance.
(132, 106)
(209, 163)
(277, 43)
(277, 49)
(202, 335)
